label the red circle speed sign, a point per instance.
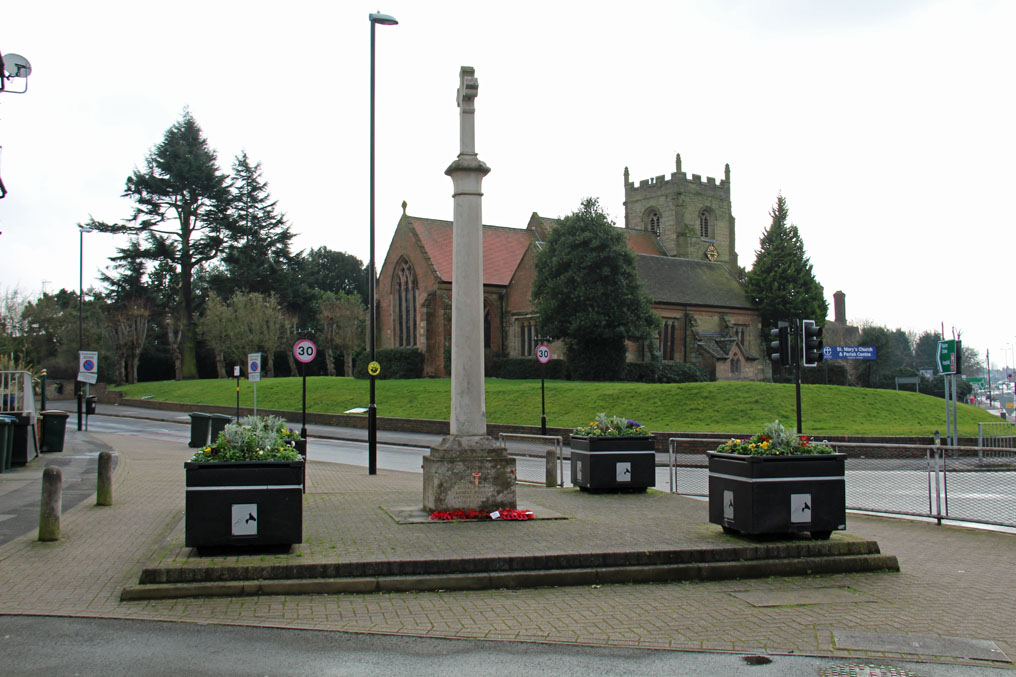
(543, 353)
(304, 350)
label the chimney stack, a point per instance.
(839, 308)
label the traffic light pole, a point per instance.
(796, 352)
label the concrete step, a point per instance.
(751, 560)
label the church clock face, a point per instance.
(711, 253)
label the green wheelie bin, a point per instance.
(54, 425)
(199, 422)
(6, 442)
(218, 423)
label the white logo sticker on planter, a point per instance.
(800, 508)
(245, 519)
(728, 505)
(624, 472)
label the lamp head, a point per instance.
(85, 229)
(383, 19)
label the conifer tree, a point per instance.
(180, 202)
(257, 252)
(781, 282)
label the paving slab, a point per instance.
(954, 582)
(954, 647)
(839, 595)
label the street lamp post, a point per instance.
(81, 306)
(384, 20)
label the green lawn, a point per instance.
(691, 407)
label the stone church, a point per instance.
(681, 230)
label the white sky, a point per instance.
(887, 125)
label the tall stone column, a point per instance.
(468, 469)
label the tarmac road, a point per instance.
(33, 645)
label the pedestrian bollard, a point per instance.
(104, 483)
(49, 509)
(551, 468)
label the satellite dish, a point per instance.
(16, 66)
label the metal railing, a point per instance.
(970, 484)
(17, 394)
(530, 454)
(998, 435)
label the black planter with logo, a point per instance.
(244, 503)
(614, 463)
(777, 494)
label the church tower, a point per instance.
(691, 217)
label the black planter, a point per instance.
(613, 463)
(777, 494)
(245, 503)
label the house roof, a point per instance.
(690, 282)
(502, 248)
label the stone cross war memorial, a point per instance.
(468, 469)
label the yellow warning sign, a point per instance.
(374, 368)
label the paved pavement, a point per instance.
(954, 582)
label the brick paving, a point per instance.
(955, 582)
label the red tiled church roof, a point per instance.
(642, 242)
(502, 248)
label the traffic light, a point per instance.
(781, 346)
(811, 335)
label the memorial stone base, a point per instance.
(468, 472)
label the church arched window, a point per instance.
(486, 328)
(404, 305)
(705, 224)
(653, 222)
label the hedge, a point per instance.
(395, 363)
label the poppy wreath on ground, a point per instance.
(505, 514)
(451, 515)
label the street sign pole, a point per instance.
(955, 427)
(236, 373)
(304, 351)
(543, 357)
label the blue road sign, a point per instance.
(849, 352)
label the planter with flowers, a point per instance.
(246, 488)
(777, 482)
(613, 453)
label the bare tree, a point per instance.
(216, 328)
(341, 318)
(174, 333)
(127, 327)
(258, 324)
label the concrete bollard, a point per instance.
(49, 509)
(551, 468)
(104, 481)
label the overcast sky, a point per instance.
(887, 125)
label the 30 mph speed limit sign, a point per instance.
(304, 350)
(543, 353)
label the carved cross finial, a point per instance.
(469, 88)
(404, 205)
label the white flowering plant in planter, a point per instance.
(254, 438)
(611, 426)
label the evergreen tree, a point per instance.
(257, 254)
(180, 206)
(781, 282)
(587, 291)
